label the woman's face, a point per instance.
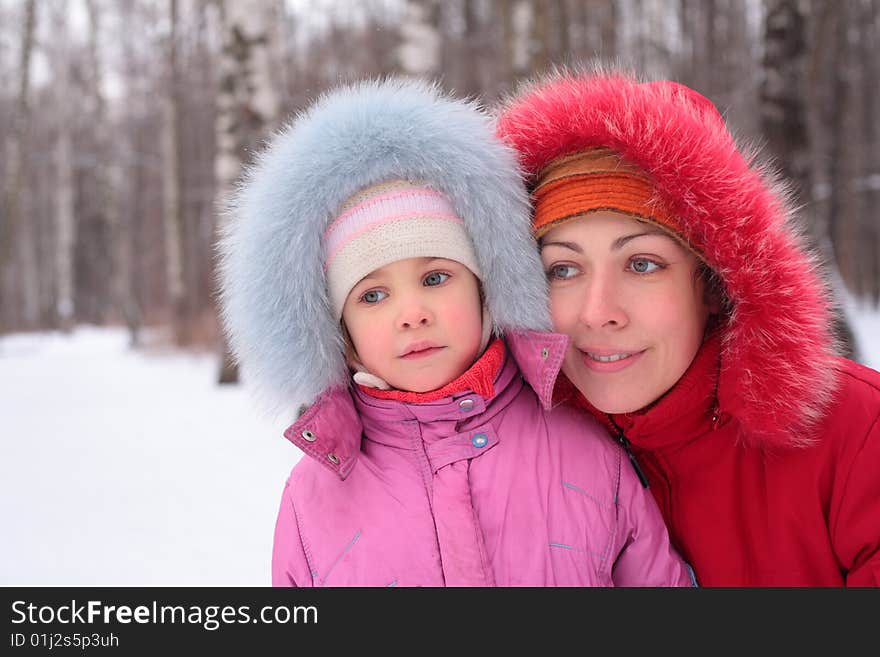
(629, 297)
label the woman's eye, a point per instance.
(435, 278)
(562, 272)
(643, 266)
(373, 296)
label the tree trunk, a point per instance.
(783, 111)
(869, 176)
(125, 202)
(839, 162)
(470, 50)
(539, 59)
(247, 106)
(13, 191)
(783, 114)
(419, 50)
(65, 220)
(171, 184)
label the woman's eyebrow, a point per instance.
(566, 245)
(615, 245)
(620, 241)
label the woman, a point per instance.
(700, 331)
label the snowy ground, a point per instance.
(121, 468)
(124, 468)
(865, 322)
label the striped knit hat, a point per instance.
(596, 180)
(387, 222)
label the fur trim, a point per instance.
(778, 351)
(274, 302)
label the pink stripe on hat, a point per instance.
(377, 210)
(393, 220)
(333, 249)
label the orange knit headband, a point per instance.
(595, 180)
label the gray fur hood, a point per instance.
(274, 302)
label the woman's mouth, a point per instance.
(607, 361)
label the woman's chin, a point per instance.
(611, 399)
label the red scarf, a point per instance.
(480, 378)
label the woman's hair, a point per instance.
(713, 288)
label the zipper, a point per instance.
(624, 442)
(662, 494)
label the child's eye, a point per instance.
(562, 272)
(643, 266)
(373, 296)
(435, 278)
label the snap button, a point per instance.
(544, 353)
(480, 440)
(466, 404)
(309, 435)
(333, 459)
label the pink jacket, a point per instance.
(466, 491)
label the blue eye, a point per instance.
(562, 272)
(373, 296)
(435, 278)
(643, 266)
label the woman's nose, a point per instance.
(601, 306)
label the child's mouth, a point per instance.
(421, 350)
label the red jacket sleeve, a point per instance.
(855, 510)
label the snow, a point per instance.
(865, 322)
(133, 468)
(124, 468)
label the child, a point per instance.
(380, 244)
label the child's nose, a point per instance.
(413, 315)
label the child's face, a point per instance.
(416, 323)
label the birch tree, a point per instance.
(65, 220)
(247, 104)
(419, 50)
(171, 185)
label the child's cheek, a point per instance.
(462, 315)
(369, 340)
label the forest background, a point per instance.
(124, 124)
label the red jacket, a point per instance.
(745, 515)
(782, 487)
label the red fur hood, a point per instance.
(777, 347)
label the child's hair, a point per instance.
(279, 312)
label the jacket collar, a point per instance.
(330, 430)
